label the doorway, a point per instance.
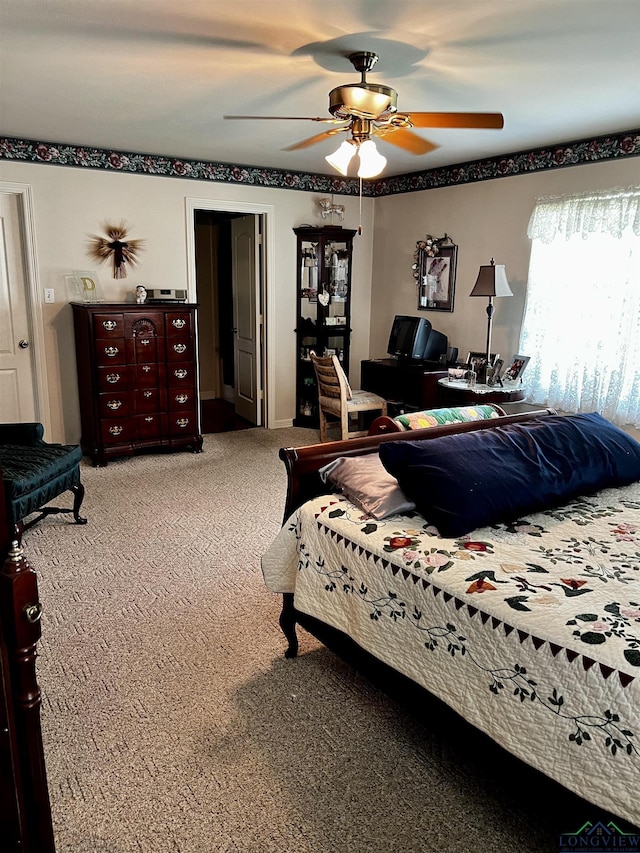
(229, 274)
(265, 359)
(23, 385)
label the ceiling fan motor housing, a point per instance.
(363, 100)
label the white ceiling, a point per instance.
(157, 76)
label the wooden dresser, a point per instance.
(136, 378)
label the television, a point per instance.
(414, 338)
(437, 345)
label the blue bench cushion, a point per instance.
(36, 474)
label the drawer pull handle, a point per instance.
(144, 341)
(182, 422)
(112, 378)
(111, 351)
(180, 348)
(179, 323)
(109, 325)
(147, 393)
(114, 405)
(182, 398)
(33, 612)
(115, 430)
(149, 418)
(146, 368)
(180, 373)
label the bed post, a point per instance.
(288, 624)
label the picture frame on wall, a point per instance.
(437, 279)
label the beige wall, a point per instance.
(485, 220)
(70, 203)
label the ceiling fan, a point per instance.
(371, 109)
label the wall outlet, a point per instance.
(49, 295)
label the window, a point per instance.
(581, 322)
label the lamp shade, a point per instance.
(371, 161)
(491, 281)
(341, 158)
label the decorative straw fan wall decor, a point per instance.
(116, 246)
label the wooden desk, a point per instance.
(412, 385)
(459, 393)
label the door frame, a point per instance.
(267, 338)
(24, 195)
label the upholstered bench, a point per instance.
(34, 473)
(434, 417)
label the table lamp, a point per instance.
(491, 282)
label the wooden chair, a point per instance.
(337, 401)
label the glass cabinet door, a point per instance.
(324, 308)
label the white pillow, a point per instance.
(366, 483)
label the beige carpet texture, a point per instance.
(172, 722)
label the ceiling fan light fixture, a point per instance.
(341, 158)
(371, 161)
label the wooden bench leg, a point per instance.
(78, 497)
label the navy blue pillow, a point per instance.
(473, 479)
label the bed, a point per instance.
(528, 627)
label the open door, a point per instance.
(17, 389)
(247, 316)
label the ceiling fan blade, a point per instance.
(286, 118)
(405, 139)
(313, 139)
(468, 120)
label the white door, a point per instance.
(246, 275)
(17, 386)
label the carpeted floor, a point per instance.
(172, 721)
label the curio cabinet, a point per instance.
(324, 308)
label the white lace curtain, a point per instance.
(581, 323)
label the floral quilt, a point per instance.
(531, 631)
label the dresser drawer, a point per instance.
(114, 378)
(144, 349)
(146, 375)
(110, 352)
(178, 323)
(149, 427)
(114, 405)
(108, 326)
(181, 375)
(179, 349)
(181, 399)
(148, 400)
(183, 422)
(117, 430)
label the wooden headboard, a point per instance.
(303, 463)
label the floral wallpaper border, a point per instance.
(599, 149)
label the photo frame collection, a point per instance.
(491, 373)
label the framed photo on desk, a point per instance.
(516, 368)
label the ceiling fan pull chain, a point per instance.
(360, 213)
